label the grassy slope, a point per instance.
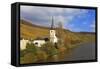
(29, 30)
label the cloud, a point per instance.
(42, 15)
(92, 26)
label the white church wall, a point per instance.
(52, 32)
(53, 37)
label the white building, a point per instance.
(23, 43)
(53, 37)
(39, 43)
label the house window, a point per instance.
(36, 43)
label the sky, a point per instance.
(73, 19)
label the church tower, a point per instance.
(53, 37)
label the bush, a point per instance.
(28, 58)
(22, 53)
(31, 48)
(36, 52)
(62, 49)
(41, 55)
(50, 49)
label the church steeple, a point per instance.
(52, 24)
(52, 32)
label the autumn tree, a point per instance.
(60, 32)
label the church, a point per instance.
(52, 38)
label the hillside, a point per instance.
(28, 30)
(31, 31)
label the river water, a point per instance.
(82, 52)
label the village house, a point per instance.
(23, 43)
(40, 41)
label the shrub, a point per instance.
(37, 51)
(41, 55)
(50, 49)
(30, 47)
(22, 53)
(28, 58)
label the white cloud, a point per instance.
(51, 10)
(93, 26)
(64, 15)
(75, 11)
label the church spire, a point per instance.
(52, 24)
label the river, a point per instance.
(82, 52)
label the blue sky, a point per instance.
(77, 20)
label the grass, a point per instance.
(29, 32)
